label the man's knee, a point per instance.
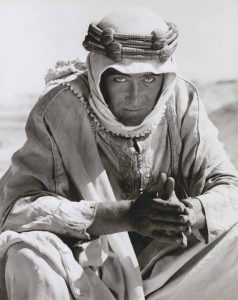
(27, 267)
(22, 261)
(27, 271)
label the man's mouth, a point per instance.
(132, 109)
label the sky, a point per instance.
(34, 34)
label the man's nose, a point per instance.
(134, 92)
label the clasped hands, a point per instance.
(158, 213)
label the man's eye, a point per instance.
(149, 79)
(120, 79)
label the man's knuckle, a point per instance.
(183, 219)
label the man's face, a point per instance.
(130, 97)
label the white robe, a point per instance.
(204, 167)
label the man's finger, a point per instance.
(170, 217)
(158, 187)
(169, 227)
(158, 203)
(179, 239)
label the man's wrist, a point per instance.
(111, 217)
(200, 219)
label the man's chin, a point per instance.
(131, 122)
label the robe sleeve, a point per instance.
(52, 213)
(207, 171)
(34, 193)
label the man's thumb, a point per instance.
(169, 187)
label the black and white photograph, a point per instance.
(118, 150)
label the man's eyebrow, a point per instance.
(116, 72)
(150, 74)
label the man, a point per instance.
(124, 146)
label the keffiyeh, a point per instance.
(98, 63)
